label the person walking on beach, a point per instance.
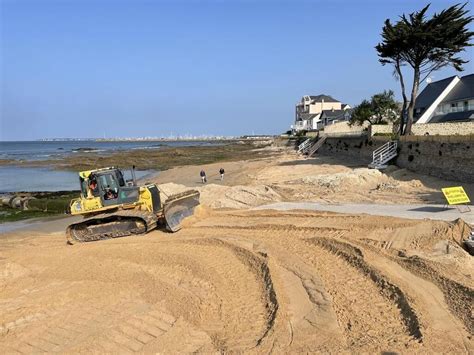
(222, 171)
(203, 176)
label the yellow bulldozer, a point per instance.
(115, 207)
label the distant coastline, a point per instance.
(53, 165)
(159, 139)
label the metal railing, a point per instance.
(384, 153)
(303, 147)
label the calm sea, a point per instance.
(16, 178)
(58, 149)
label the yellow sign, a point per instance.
(455, 195)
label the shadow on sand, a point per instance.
(430, 209)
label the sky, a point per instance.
(135, 68)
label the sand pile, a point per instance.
(357, 178)
(217, 196)
(171, 188)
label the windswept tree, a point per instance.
(425, 45)
(381, 109)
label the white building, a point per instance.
(314, 112)
(447, 100)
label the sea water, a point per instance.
(46, 150)
(14, 178)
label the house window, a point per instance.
(454, 107)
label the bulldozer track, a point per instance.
(456, 294)
(355, 258)
(81, 232)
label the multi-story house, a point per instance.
(447, 100)
(309, 112)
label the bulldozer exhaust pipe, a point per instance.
(134, 178)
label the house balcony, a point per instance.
(301, 125)
(444, 110)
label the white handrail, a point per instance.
(304, 145)
(386, 146)
(384, 153)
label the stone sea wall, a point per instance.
(431, 129)
(450, 158)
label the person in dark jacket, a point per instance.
(203, 176)
(222, 171)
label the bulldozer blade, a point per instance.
(178, 207)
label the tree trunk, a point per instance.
(405, 101)
(411, 106)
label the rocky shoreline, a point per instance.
(148, 159)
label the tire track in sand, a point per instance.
(355, 258)
(369, 319)
(257, 265)
(440, 325)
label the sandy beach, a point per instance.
(241, 279)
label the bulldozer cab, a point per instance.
(109, 185)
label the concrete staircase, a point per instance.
(382, 155)
(314, 148)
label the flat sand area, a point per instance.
(237, 279)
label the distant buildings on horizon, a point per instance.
(169, 138)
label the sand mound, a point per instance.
(361, 178)
(357, 177)
(216, 196)
(171, 188)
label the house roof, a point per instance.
(459, 89)
(431, 92)
(463, 90)
(320, 98)
(333, 114)
(454, 117)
